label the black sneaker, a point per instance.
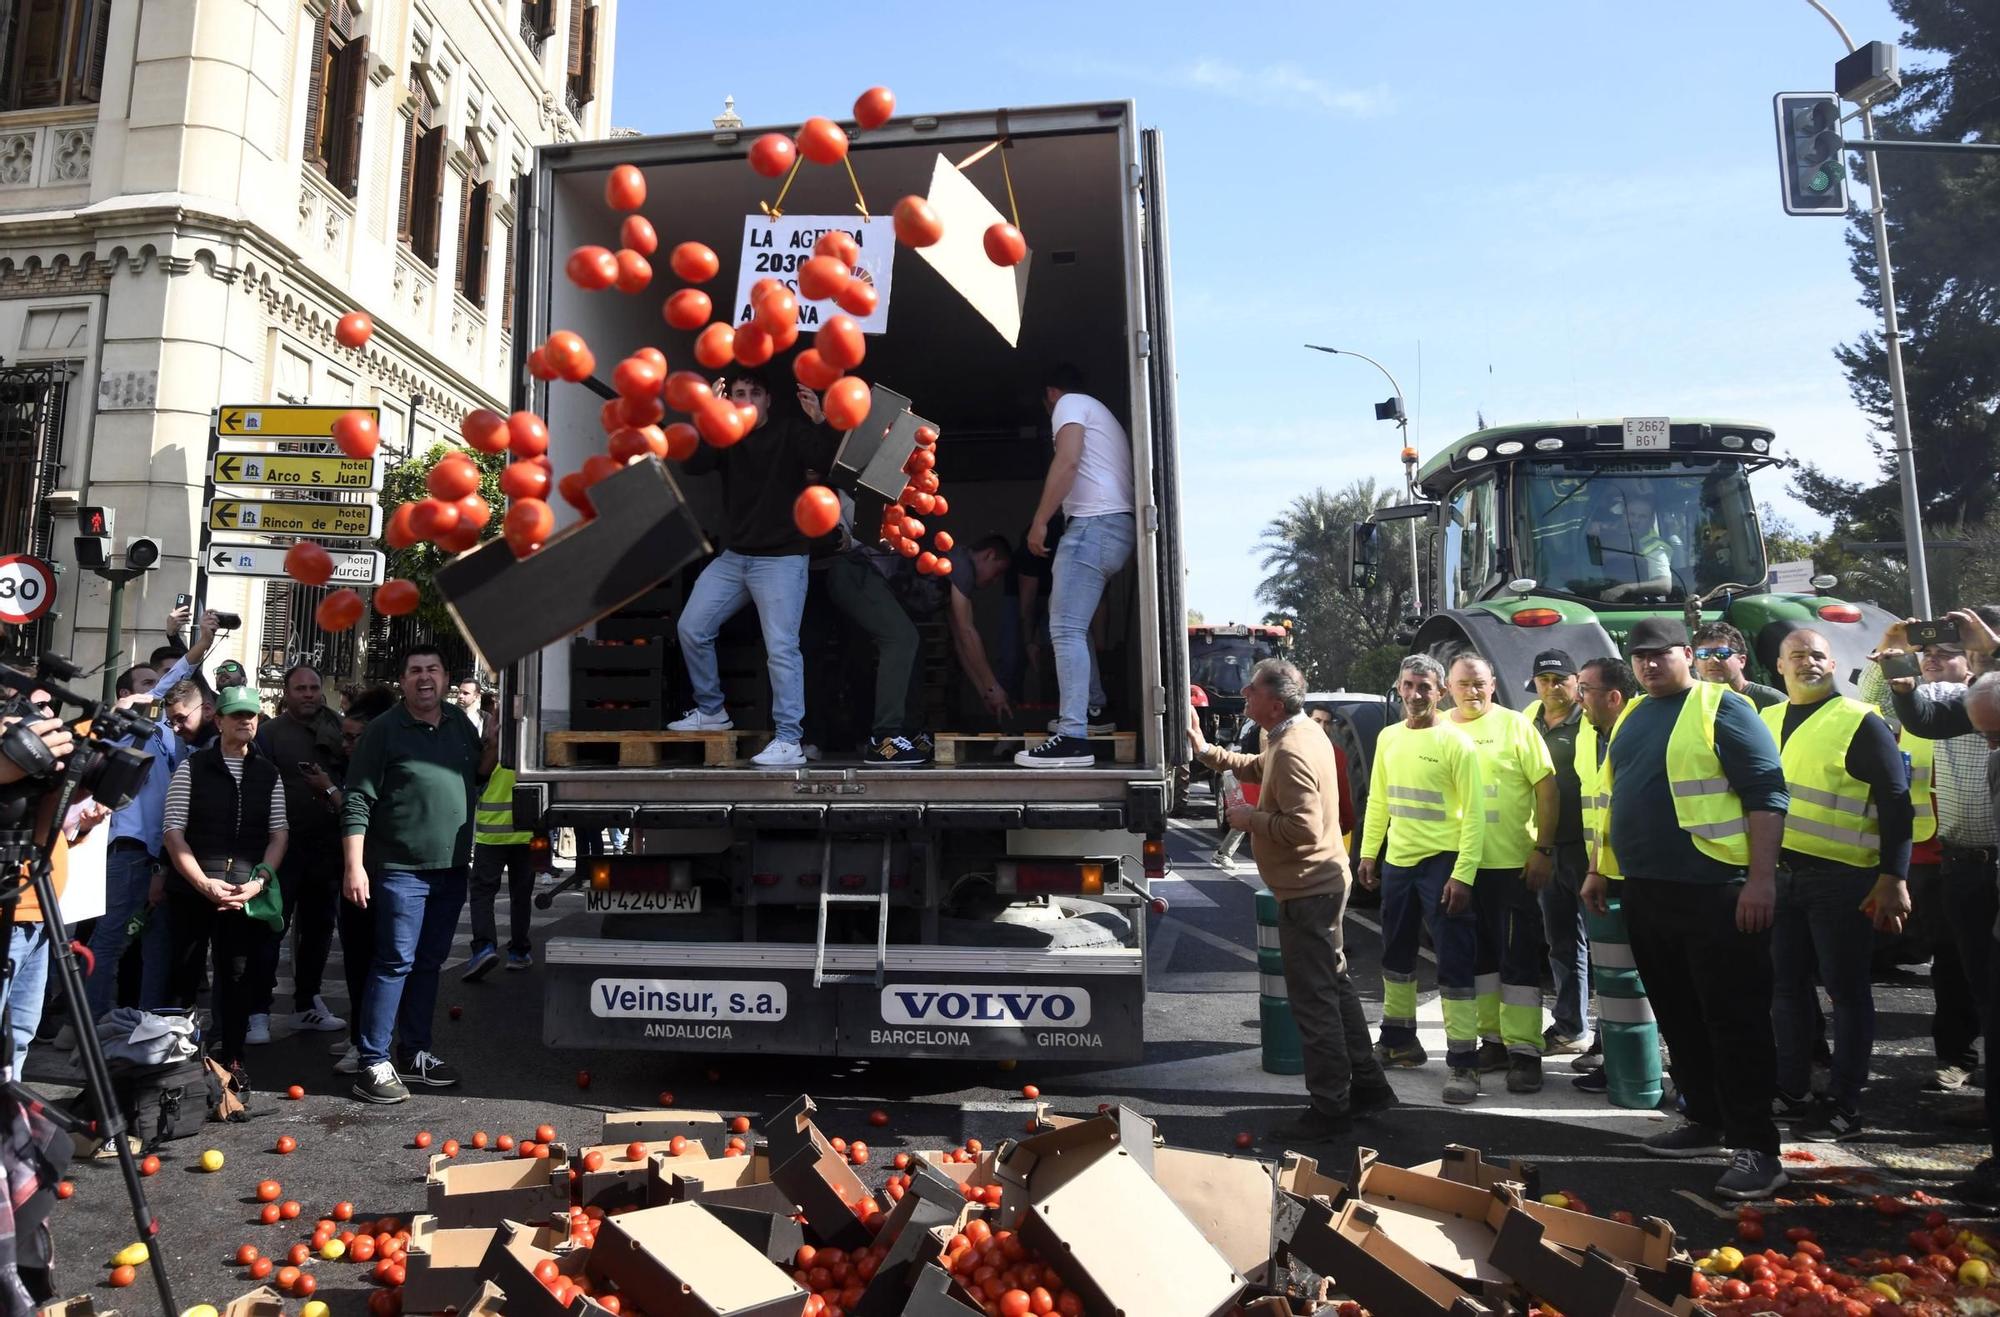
(1829, 1123)
(1315, 1126)
(1685, 1139)
(1785, 1107)
(1094, 723)
(1752, 1175)
(1592, 1058)
(1592, 1081)
(1403, 1056)
(894, 752)
(1367, 1099)
(379, 1083)
(1524, 1074)
(1492, 1057)
(1058, 751)
(428, 1070)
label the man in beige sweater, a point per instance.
(1294, 833)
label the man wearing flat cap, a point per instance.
(1558, 717)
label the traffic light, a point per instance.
(93, 541)
(1392, 410)
(1812, 174)
(142, 553)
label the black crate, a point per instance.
(617, 687)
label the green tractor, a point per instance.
(1563, 534)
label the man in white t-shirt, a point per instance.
(1091, 481)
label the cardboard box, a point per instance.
(978, 1172)
(930, 1210)
(81, 1305)
(935, 1295)
(463, 1194)
(1647, 1251)
(760, 1214)
(680, 1261)
(708, 1128)
(621, 1182)
(1229, 1199)
(816, 1177)
(1468, 1166)
(509, 1266)
(1374, 1269)
(442, 1263)
(487, 1301)
(260, 1302)
(1087, 1195)
(1442, 1222)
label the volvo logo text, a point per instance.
(985, 1005)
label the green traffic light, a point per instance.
(1819, 182)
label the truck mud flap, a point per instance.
(947, 1002)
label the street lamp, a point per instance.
(1394, 410)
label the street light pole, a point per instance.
(1409, 465)
(1892, 344)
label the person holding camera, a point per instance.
(30, 748)
(225, 834)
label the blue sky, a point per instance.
(1572, 207)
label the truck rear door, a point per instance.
(1159, 312)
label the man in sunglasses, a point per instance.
(1720, 654)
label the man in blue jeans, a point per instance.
(763, 561)
(412, 787)
(1090, 481)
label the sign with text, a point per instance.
(257, 420)
(27, 588)
(1647, 434)
(341, 521)
(350, 566)
(775, 249)
(256, 466)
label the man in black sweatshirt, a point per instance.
(763, 561)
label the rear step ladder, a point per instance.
(828, 897)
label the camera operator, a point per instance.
(34, 748)
(225, 834)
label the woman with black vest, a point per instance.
(225, 833)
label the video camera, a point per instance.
(111, 774)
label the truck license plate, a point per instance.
(643, 903)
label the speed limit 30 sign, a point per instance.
(27, 588)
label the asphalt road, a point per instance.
(1200, 1080)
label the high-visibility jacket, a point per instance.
(1705, 805)
(1595, 789)
(1923, 759)
(1832, 815)
(1423, 793)
(1513, 760)
(493, 822)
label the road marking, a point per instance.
(1180, 891)
(1705, 1205)
(1217, 941)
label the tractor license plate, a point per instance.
(643, 903)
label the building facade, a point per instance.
(192, 192)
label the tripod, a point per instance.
(39, 855)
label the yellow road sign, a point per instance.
(256, 420)
(256, 466)
(341, 521)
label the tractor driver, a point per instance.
(1630, 546)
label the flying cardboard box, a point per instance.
(816, 1177)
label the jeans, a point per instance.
(1569, 941)
(309, 883)
(416, 915)
(489, 865)
(237, 945)
(1710, 989)
(1412, 900)
(28, 948)
(777, 585)
(863, 596)
(1333, 1028)
(1091, 552)
(1819, 919)
(128, 878)
(1507, 969)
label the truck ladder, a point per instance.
(828, 897)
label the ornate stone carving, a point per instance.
(17, 159)
(69, 161)
(307, 200)
(336, 226)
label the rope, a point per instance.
(860, 202)
(777, 208)
(1006, 174)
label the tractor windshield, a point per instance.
(1221, 665)
(1639, 529)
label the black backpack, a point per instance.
(163, 1102)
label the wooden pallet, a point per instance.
(960, 748)
(650, 749)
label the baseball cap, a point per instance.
(1657, 633)
(238, 699)
(1551, 662)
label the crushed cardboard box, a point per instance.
(260, 1302)
(509, 1265)
(442, 1263)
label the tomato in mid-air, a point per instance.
(484, 430)
(846, 402)
(356, 434)
(694, 262)
(753, 346)
(682, 440)
(570, 355)
(452, 478)
(636, 377)
(592, 268)
(473, 514)
(822, 141)
(772, 154)
(777, 311)
(354, 329)
(308, 563)
(527, 436)
(638, 234)
(715, 347)
(625, 189)
(433, 518)
(634, 271)
(339, 611)
(873, 107)
(839, 244)
(813, 370)
(689, 308)
(519, 480)
(840, 343)
(1005, 245)
(394, 598)
(822, 277)
(917, 224)
(574, 493)
(719, 423)
(858, 299)
(815, 512)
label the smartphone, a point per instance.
(1940, 631)
(1901, 665)
(183, 600)
(151, 710)
(308, 766)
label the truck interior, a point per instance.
(983, 394)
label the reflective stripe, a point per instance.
(1612, 955)
(1416, 793)
(1919, 776)
(1705, 786)
(1520, 994)
(1828, 832)
(1829, 799)
(1271, 985)
(1485, 984)
(1413, 812)
(1399, 1022)
(1391, 976)
(1716, 831)
(1624, 1010)
(1267, 938)
(1456, 994)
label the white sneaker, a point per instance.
(1094, 723)
(697, 721)
(260, 1029)
(779, 754)
(349, 1062)
(810, 751)
(315, 1019)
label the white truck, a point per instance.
(975, 909)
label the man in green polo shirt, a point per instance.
(412, 788)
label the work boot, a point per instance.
(1491, 1058)
(1524, 1074)
(1402, 1056)
(1752, 1175)
(1462, 1087)
(1314, 1125)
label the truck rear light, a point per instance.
(600, 874)
(1839, 613)
(1537, 617)
(1154, 854)
(1040, 877)
(764, 879)
(539, 843)
(638, 873)
(853, 882)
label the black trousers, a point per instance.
(309, 882)
(1710, 989)
(357, 955)
(238, 944)
(1961, 941)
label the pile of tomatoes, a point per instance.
(338, 1237)
(1944, 1266)
(1005, 1276)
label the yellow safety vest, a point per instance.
(1705, 805)
(1596, 797)
(1923, 757)
(493, 823)
(1831, 814)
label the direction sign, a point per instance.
(350, 566)
(255, 466)
(256, 420)
(27, 588)
(341, 521)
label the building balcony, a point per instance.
(45, 149)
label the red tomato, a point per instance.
(839, 244)
(1890, 1205)
(636, 378)
(599, 467)
(355, 434)
(846, 402)
(716, 346)
(643, 411)
(685, 389)
(625, 189)
(530, 1150)
(565, 348)
(777, 311)
(873, 107)
(473, 514)
(308, 563)
(1750, 1232)
(545, 1134)
(520, 480)
(285, 1144)
(812, 370)
(538, 365)
(634, 271)
(815, 512)
(784, 336)
(433, 518)
(484, 431)
(920, 461)
(909, 548)
(694, 262)
(593, 1160)
(822, 141)
(719, 423)
(689, 308)
(526, 435)
(592, 268)
(858, 299)
(915, 530)
(1005, 245)
(452, 478)
(305, 1284)
(917, 225)
(938, 505)
(1014, 1303)
(762, 289)
(269, 1191)
(753, 344)
(123, 1275)
(354, 329)
(637, 233)
(338, 612)
(822, 277)
(943, 543)
(572, 489)
(65, 1188)
(394, 598)
(772, 154)
(927, 563)
(629, 442)
(401, 531)
(841, 343)
(681, 441)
